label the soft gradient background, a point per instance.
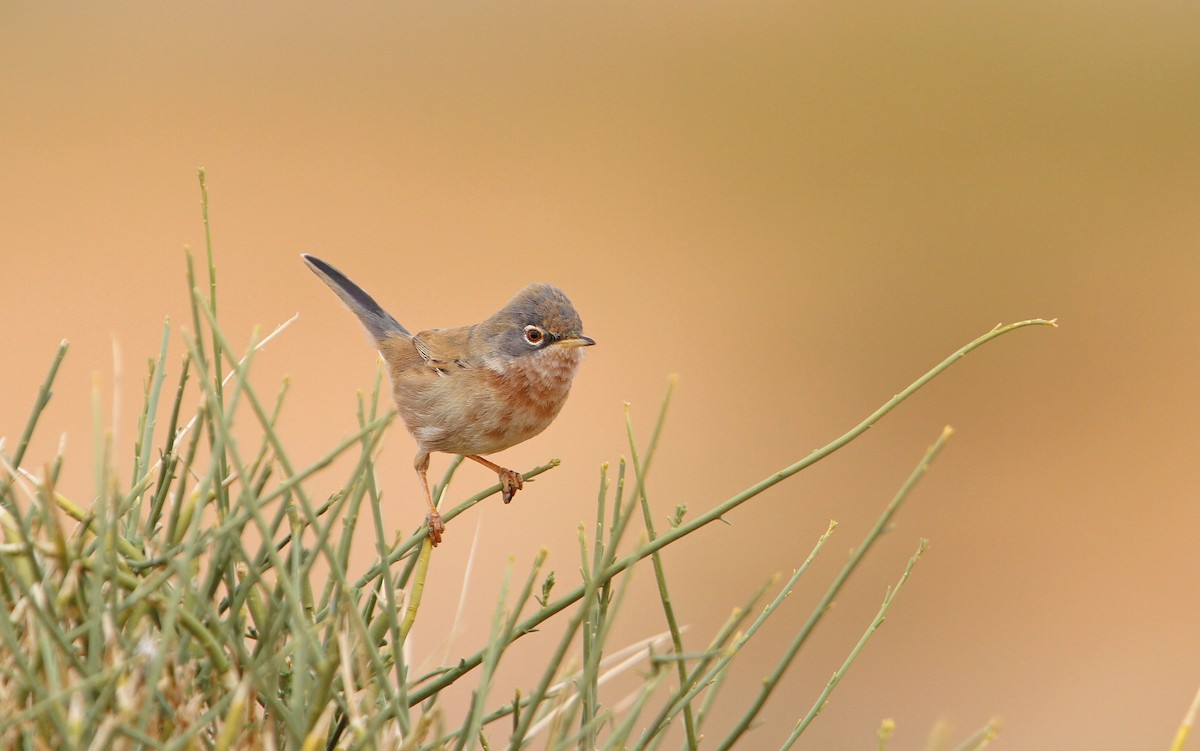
(799, 208)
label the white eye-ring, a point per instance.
(534, 335)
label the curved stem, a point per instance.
(533, 621)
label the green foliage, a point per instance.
(210, 603)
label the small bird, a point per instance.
(477, 389)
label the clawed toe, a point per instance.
(436, 527)
(510, 483)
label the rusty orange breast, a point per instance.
(532, 391)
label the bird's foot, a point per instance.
(510, 483)
(436, 527)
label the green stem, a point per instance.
(881, 524)
(696, 685)
(530, 624)
(862, 642)
(39, 404)
(660, 574)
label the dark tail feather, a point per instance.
(377, 321)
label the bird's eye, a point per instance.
(534, 335)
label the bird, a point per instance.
(478, 389)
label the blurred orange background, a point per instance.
(798, 208)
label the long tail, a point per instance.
(378, 322)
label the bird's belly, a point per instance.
(477, 411)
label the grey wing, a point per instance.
(444, 350)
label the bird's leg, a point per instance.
(510, 481)
(433, 519)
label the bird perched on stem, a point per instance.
(477, 389)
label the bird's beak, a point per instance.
(576, 341)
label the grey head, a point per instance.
(539, 318)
